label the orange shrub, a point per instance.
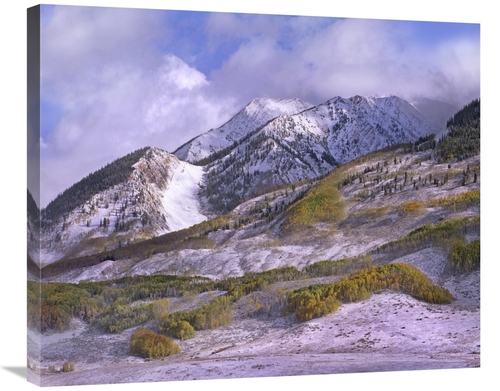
(411, 207)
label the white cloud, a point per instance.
(350, 57)
(78, 40)
(177, 104)
(177, 73)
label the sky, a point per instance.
(117, 79)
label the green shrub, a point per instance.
(215, 314)
(430, 235)
(465, 257)
(309, 304)
(179, 329)
(117, 317)
(147, 344)
(338, 267)
(464, 199)
(52, 305)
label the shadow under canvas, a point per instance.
(20, 371)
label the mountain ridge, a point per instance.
(310, 143)
(270, 143)
(255, 114)
(143, 205)
(214, 140)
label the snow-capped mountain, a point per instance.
(158, 196)
(252, 117)
(358, 125)
(269, 143)
(309, 143)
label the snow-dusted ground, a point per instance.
(388, 332)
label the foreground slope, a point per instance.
(388, 332)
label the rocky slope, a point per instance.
(159, 196)
(258, 236)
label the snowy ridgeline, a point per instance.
(372, 122)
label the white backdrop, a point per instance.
(13, 189)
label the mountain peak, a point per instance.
(277, 104)
(252, 117)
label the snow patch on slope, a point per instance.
(180, 200)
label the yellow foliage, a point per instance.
(148, 344)
(322, 203)
(317, 300)
(68, 366)
(411, 208)
(464, 198)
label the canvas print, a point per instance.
(221, 195)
